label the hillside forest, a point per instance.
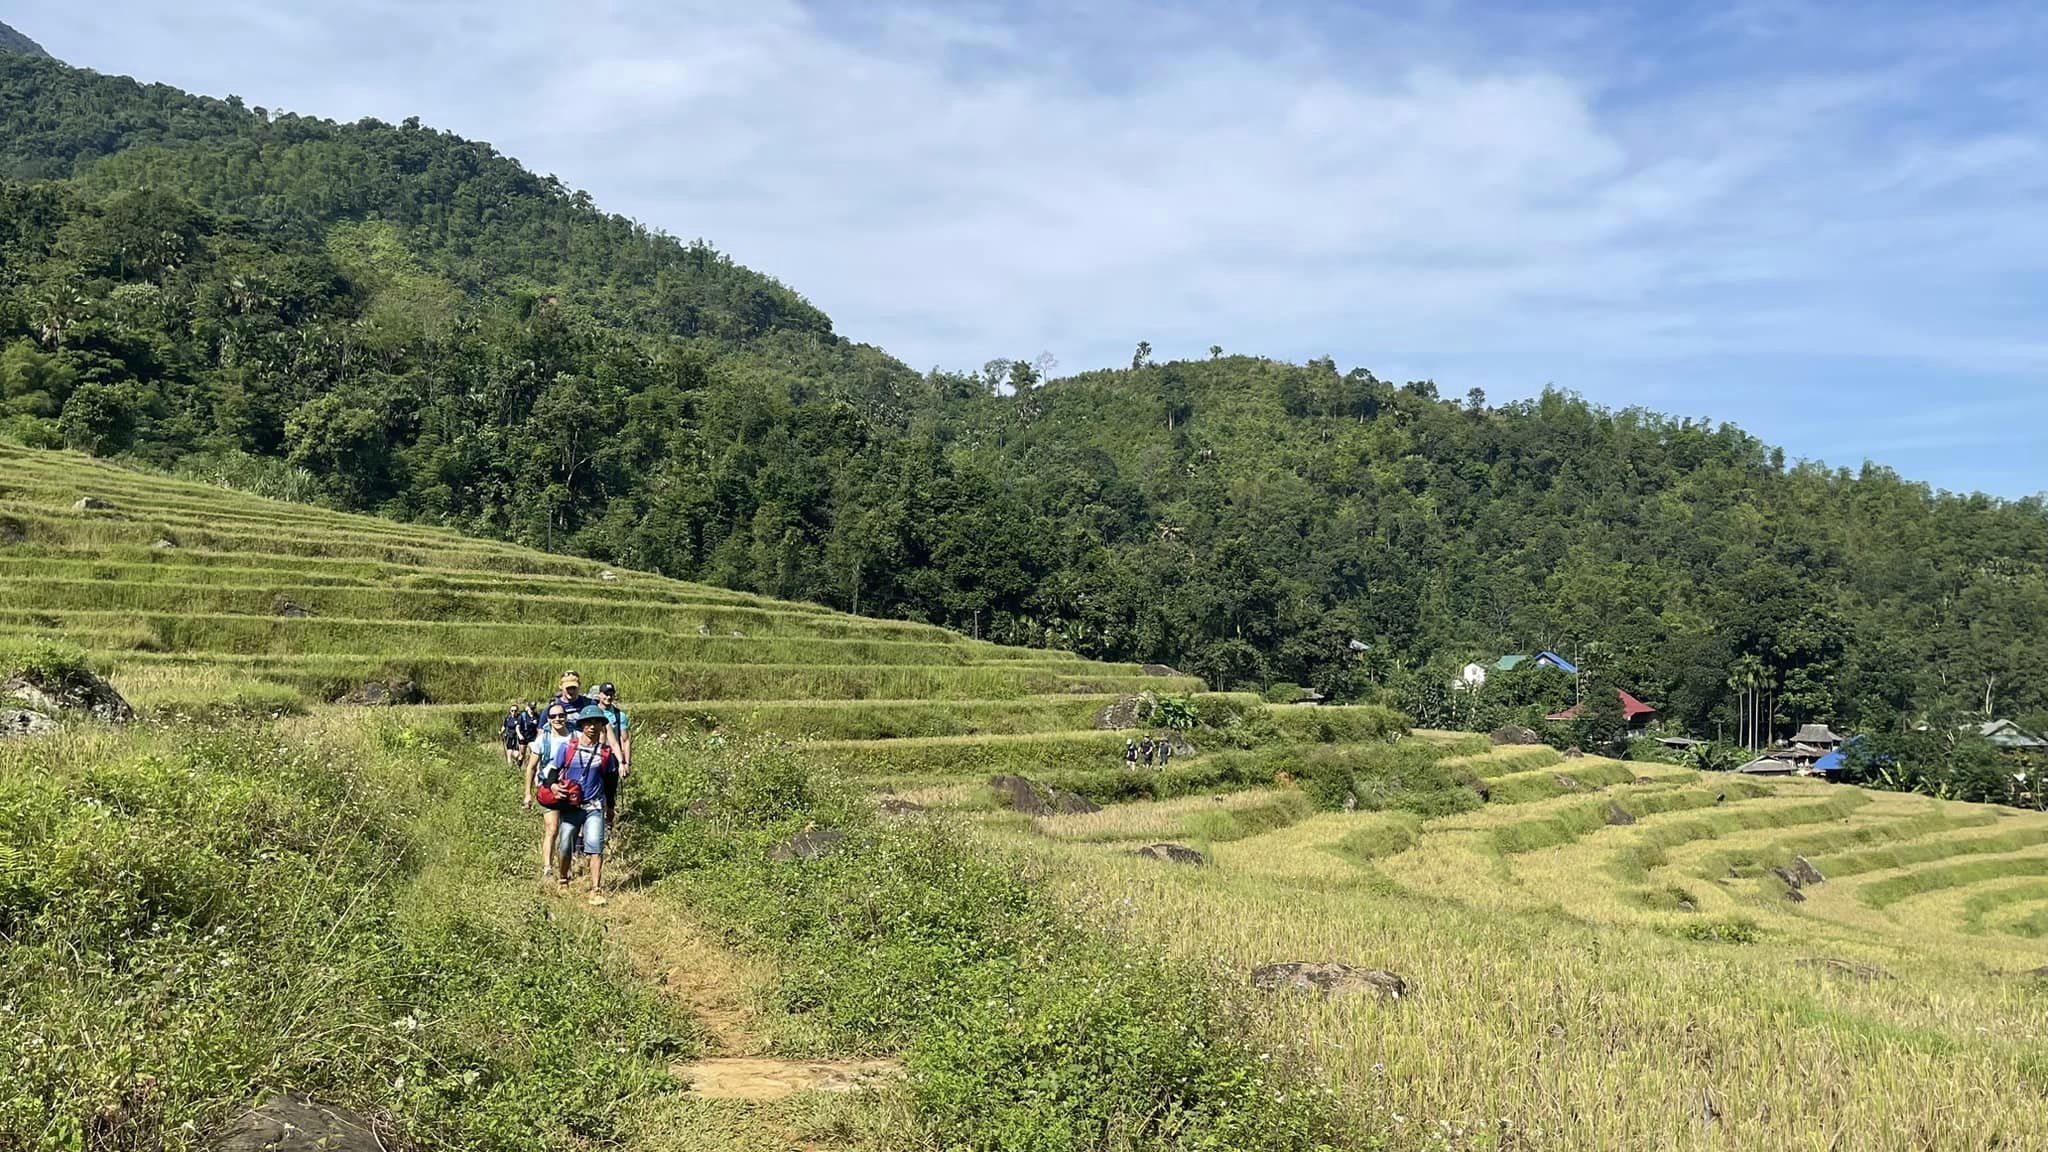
(389, 318)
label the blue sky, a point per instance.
(1824, 222)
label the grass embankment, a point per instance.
(196, 916)
(1021, 1026)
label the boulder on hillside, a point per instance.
(607, 575)
(1806, 872)
(809, 844)
(292, 1123)
(23, 722)
(377, 693)
(1857, 969)
(897, 806)
(1567, 783)
(91, 504)
(1125, 711)
(1020, 795)
(2040, 973)
(1157, 670)
(1572, 753)
(1329, 979)
(286, 606)
(1071, 803)
(1171, 853)
(164, 544)
(12, 531)
(1618, 815)
(76, 690)
(1514, 734)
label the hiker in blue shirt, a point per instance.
(569, 694)
(541, 755)
(620, 727)
(514, 745)
(584, 763)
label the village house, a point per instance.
(1545, 659)
(1634, 711)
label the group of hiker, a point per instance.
(573, 753)
(1142, 751)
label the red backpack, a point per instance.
(566, 790)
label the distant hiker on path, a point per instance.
(1165, 752)
(620, 727)
(542, 773)
(1145, 751)
(585, 762)
(1130, 752)
(514, 745)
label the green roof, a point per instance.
(1510, 663)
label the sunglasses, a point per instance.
(558, 715)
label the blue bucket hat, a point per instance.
(592, 712)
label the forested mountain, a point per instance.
(390, 318)
(14, 42)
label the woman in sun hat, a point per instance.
(541, 772)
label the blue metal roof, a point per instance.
(1563, 664)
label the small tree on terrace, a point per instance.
(1601, 724)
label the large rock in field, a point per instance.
(1803, 869)
(897, 806)
(1158, 670)
(1020, 795)
(286, 606)
(1618, 815)
(376, 693)
(1071, 803)
(292, 1123)
(1514, 734)
(809, 844)
(1170, 853)
(91, 504)
(1125, 711)
(23, 722)
(1857, 969)
(79, 690)
(1329, 979)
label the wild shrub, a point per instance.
(1735, 930)
(50, 662)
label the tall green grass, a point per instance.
(1887, 892)
(463, 679)
(1924, 851)
(1646, 850)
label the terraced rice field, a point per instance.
(1600, 954)
(1631, 956)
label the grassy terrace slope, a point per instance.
(199, 597)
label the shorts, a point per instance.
(581, 831)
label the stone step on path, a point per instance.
(762, 1078)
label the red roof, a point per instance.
(1630, 708)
